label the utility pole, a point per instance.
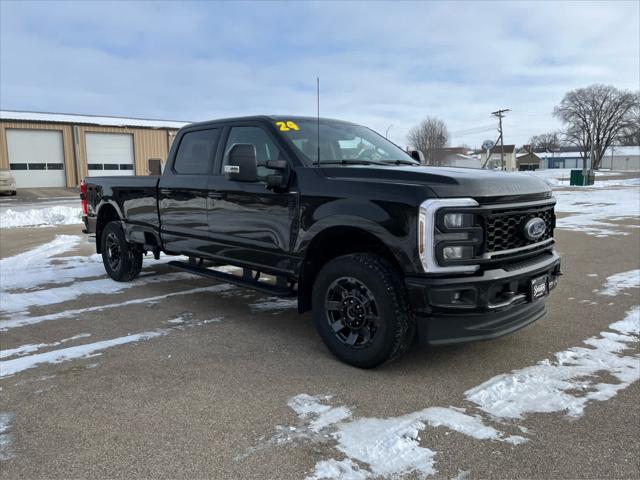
(500, 114)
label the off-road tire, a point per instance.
(396, 324)
(130, 255)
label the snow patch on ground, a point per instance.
(41, 217)
(76, 313)
(6, 437)
(11, 367)
(387, 447)
(569, 381)
(593, 211)
(620, 281)
(24, 278)
(31, 348)
(560, 176)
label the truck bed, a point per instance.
(135, 196)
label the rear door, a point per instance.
(182, 192)
(249, 223)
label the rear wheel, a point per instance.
(361, 311)
(122, 260)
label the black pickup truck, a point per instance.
(379, 247)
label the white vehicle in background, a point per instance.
(7, 182)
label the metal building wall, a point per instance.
(148, 144)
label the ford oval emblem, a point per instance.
(534, 229)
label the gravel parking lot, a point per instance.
(176, 376)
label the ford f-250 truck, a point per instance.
(379, 247)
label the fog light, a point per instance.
(458, 220)
(457, 253)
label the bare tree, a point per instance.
(546, 142)
(597, 116)
(631, 136)
(428, 137)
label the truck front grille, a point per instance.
(504, 228)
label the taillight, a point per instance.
(83, 197)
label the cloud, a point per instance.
(379, 63)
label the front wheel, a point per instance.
(122, 260)
(361, 310)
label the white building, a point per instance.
(615, 158)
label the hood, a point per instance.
(447, 181)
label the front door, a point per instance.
(248, 222)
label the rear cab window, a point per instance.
(196, 152)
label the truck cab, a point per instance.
(378, 246)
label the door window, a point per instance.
(196, 151)
(266, 148)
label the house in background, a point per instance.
(527, 160)
(456, 157)
(495, 158)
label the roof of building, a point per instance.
(507, 149)
(89, 119)
(528, 157)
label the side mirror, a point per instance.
(417, 155)
(242, 166)
(279, 181)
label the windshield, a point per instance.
(341, 143)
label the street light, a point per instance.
(386, 134)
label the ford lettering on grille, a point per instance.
(534, 228)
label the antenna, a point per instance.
(318, 116)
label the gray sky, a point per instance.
(379, 63)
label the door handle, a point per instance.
(166, 191)
(215, 195)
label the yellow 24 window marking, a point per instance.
(287, 126)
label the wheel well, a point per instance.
(335, 242)
(106, 214)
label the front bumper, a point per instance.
(480, 307)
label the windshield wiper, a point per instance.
(401, 162)
(350, 161)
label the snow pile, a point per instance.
(41, 217)
(593, 210)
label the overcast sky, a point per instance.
(379, 63)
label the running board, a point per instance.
(244, 281)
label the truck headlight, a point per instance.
(458, 220)
(446, 235)
(457, 253)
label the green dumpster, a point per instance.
(578, 179)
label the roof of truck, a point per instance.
(272, 118)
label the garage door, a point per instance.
(109, 154)
(36, 158)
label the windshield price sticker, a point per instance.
(287, 126)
